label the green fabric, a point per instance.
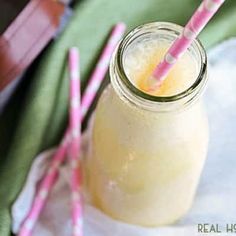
(36, 116)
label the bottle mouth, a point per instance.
(174, 31)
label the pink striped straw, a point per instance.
(101, 67)
(44, 188)
(49, 179)
(74, 146)
(197, 22)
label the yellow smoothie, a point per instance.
(145, 165)
(141, 62)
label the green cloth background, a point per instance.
(36, 116)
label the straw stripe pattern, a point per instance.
(74, 146)
(197, 22)
(43, 192)
(50, 178)
(101, 67)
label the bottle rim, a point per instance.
(174, 29)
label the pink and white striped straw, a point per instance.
(102, 66)
(50, 178)
(197, 22)
(75, 144)
(44, 188)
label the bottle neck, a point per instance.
(128, 91)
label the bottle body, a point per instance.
(145, 167)
(148, 151)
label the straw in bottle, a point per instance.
(197, 22)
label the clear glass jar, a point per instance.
(147, 151)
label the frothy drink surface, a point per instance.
(141, 60)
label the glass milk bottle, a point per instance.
(148, 151)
